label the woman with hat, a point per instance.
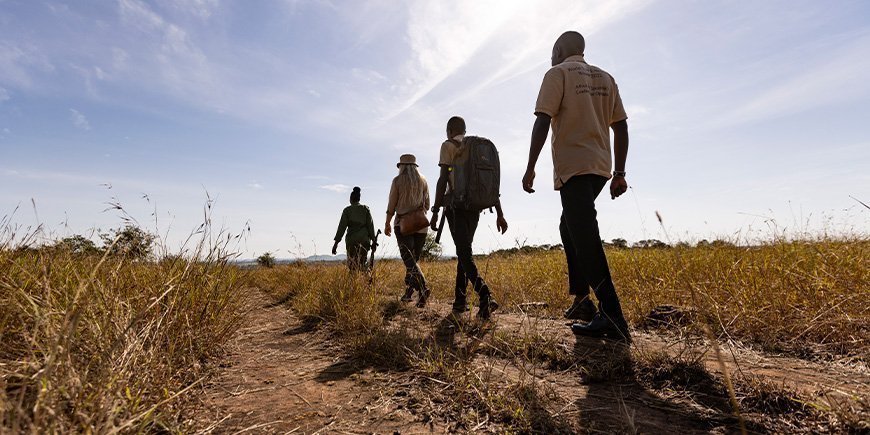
(409, 200)
(357, 220)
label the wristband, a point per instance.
(619, 174)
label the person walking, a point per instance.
(408, 201)
(462, 222)
(356, 219)
(581, 103)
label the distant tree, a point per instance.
(129, 242)
(266, 260)
(619, 243)
(718, 243)
(650, 243)
(431, 250)
(77, 244)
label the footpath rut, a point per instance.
(282, 375)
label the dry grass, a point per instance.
(111, 345)
(805, 298)
(99, 344)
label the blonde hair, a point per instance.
(411, 185)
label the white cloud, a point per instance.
(4, 95)
(339, 188)
(79, 120)
(20, 62)
(202, 9)
(255, 185)
(806, 85)
(497, 39)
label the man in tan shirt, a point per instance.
(581, 103)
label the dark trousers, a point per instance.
(587, 264)
(463, 224)
(356, 256)
(410, 248)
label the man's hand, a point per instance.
(335, 248)
(529, 180)
(618, 186)
(433, 223)
(501, 224)
(387, 230)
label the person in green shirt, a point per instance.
(356, 219)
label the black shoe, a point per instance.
(424, 296)
(487, 306)
(582, 309)
(601, 327)
(459, 307)
(407, 296)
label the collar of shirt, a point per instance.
(459, 137)
(575, 58)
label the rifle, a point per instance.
(374, 248)
(440, 227)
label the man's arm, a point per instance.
(500, 222)
(539, 137)
(618, 185)
(440, 188)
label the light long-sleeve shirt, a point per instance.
(393, 205)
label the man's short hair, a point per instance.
(456, 124)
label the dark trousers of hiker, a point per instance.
(356, 256)
(463, 224)
(410, 248)
(587, 264)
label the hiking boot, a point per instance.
(487, 306)
(459, 307)
(424, 296)
(602, 327)
(582, 309)
(407, 296)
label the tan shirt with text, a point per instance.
(583, 101)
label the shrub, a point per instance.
(266, 260)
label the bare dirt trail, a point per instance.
(284, 376)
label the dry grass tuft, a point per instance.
(108, 344)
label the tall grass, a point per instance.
(107, 344)
(804, 297)
(809, 297)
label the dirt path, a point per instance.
(284, 376)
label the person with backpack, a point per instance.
(581, 103)
(468, 183)
(356, 219)
(409, 200)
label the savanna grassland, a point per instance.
(765, 338)
(698, 312)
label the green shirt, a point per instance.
(357, 220)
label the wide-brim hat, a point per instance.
(407, 159)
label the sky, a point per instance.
(747, 120)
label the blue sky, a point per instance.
(744, 116)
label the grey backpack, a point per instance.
(476, 180)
